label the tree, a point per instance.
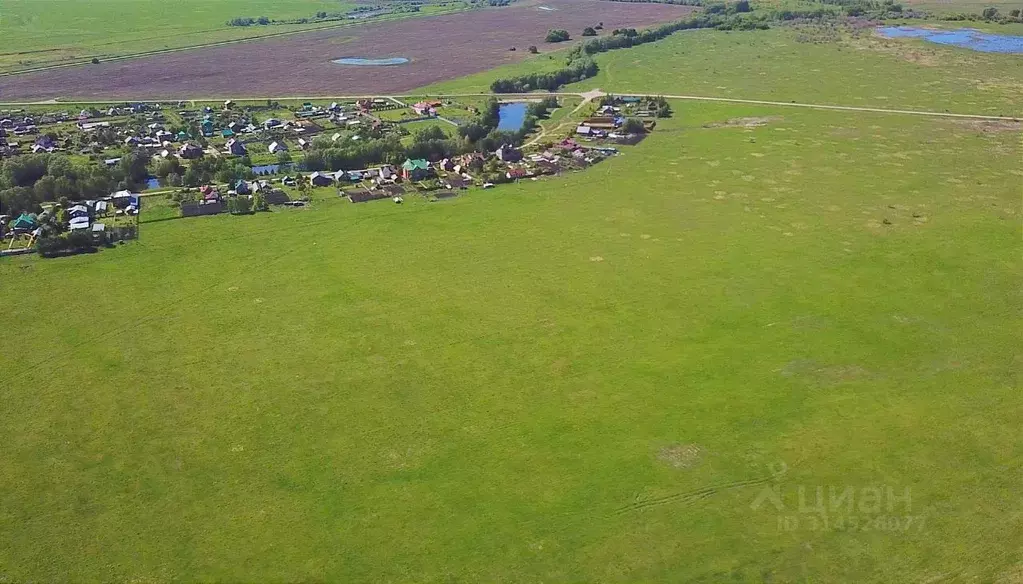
(534, 50)
(742, 6)
(283, 157)
(589, 31)
(427, 134)
(556, 35)
(633, 126)
(259, 202)
(990, 13)
(135, 166)
(1014, 13)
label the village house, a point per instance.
(190, 152)
(235, 147)
(209, 193)
(318, 179)
(276, 147)
(426, 108)
(508, 153)
(472, 161)
(417, 169)
(602, 122)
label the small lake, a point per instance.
(360, 62)
(152, 183)
(966, 38)
(511, 116)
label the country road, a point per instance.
(586, 96)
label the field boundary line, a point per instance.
(851, 108)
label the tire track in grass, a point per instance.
(688, 498)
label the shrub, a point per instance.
(239, 205)
(556, 35)
(589, 31)
(633, 126)
(74, 242)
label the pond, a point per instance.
(511, 116)
(152, 183)
(360, 62)
(966, 38)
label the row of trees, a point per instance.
(990, 14)
(577, 69)
(262, 21)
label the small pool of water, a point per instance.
(152, 183)
(511, 116)
(360, 62)
(966, 38)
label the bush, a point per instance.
(74, 242)
(633, 126)
(589, 31)
(557, 35)
(533, 49)
(95, 61)
(239, 205)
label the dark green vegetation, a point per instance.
(556, 35)
(561, 380)
(30, 179)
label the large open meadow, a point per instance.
(633, 373)
(812, 63)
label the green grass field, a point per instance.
(590, 378)
(46, 32)
(827, 68)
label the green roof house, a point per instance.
(415, 169)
